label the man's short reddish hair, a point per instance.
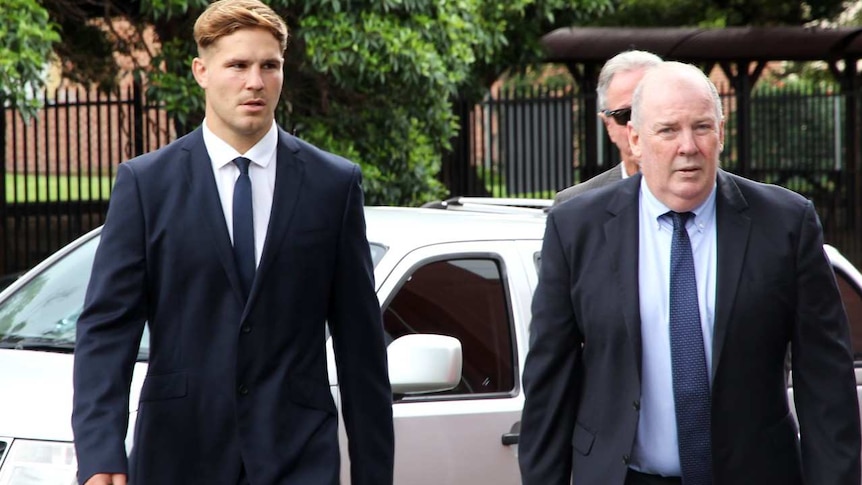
(225, 17)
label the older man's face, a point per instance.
(678, 140)
(618, 96)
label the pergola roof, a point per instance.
(691, 44)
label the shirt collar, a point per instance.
(624, 174)
(704, 214)
(221, 153)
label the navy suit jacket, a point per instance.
(774, 287)
(231, 383)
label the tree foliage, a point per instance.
(372, 80)
(26, 41)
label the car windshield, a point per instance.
(42, 313)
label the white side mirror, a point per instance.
(420, 363)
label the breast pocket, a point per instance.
(314, 235)
(582, 439)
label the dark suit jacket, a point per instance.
(231, 383)
(774, 286)
(607, 177)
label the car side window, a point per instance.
(465, 299)
(852, 299)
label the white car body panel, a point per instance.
(440, 439)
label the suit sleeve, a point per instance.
(357, 336)
(550, 372)
(108, 335)
(824, 382)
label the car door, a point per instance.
(851, 294)
(468, 291)
(850, 286)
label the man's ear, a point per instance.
(634, 140)
(199, 70)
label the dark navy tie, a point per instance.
(688, 361)
(243, 226)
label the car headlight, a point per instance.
(39, 463)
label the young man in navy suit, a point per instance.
(236, 244)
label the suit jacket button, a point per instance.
(637, 405)
(246, 328)
(626, 459)
(242, 389)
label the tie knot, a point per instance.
(679, 219)
(242, 163)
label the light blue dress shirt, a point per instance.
(656, 446)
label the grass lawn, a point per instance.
(56, 188)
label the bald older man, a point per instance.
(662, 316)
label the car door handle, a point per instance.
(510, 439)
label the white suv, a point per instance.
(466, 274)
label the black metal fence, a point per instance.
(533, 142)
(527, 142)
(59, 166)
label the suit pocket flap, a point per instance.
(310, 394)
(167, 386)
(582, 439)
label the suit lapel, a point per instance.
(733, 227)
(621, 234)
(203, 190)
(289, 173)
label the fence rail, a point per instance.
(59, 166)
(528, 142)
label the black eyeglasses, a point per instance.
(621, 116)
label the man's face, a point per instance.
(619, 95)
(679, 139)
(241, 74)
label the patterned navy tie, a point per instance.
(243, 226)
(688, 361)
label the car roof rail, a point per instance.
(503, 205)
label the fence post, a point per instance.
(3, 209)
(587, 78)
(853, 156)
(138, 114)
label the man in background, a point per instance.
(617, 81)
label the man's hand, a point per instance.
(107, 479)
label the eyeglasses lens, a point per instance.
(621, 116)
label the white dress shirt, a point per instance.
(262, 174)
(656, 445)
